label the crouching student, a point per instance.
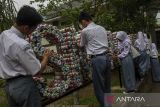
(141, 45)
(128, 70)
(155, 63)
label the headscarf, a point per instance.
(148, 43)
(123, 37)
(141, 41)
(154, 52)
(145, 38)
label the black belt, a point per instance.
(17, 77)
(93, 56)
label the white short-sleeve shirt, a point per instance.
(16, 55)
(94, 38)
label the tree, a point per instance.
(127, 15)
(64, 8)
(7, 13)
(54, 7)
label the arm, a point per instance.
(28, 60)
(83, 40)
(125, 51)
(136, 45)
(154, 52)
(44, 61)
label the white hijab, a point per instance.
(141, 41)
(154, 52)
(146, 38)
(123, 37)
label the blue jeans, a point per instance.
(128, 72)
(22, 92)
(101, 77)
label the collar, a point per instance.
(17, 32)
(91, 24)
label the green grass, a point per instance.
(2, 93)
(1, 83)
(90, 100)
(3, 100)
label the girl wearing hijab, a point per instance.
(128, 70)
(148, 45)
(155, 63)
(140, 45)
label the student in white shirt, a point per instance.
(18, 62)
(94, 39)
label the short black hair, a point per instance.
(28, 16)
(84, 16)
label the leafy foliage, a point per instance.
(128, 15)
(7, 13)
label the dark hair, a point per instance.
(28, 16)
(84, 16)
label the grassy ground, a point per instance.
(3, 100)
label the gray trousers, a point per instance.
(22, 92)
(101, 77)
(144, 63)
(128, 73)
(155, 69)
